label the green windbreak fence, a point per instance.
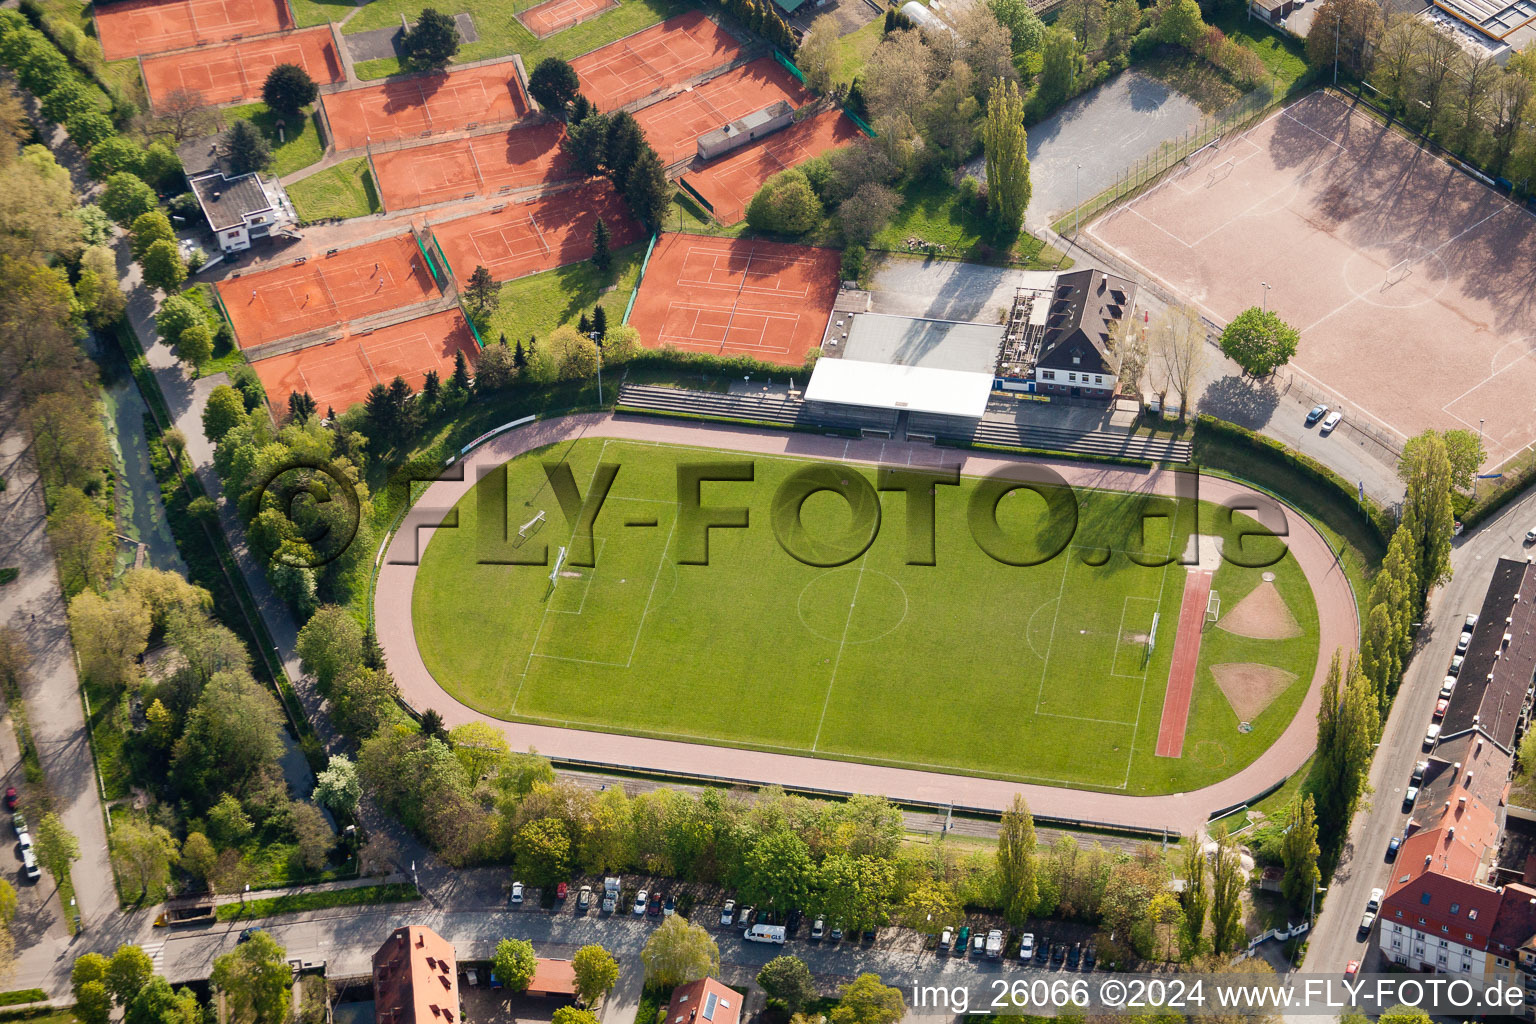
(479, 342)
(695, 193)
(789, 65)
(639, 277)
(447, 270)
(856, 119)
(219, 302)
(426, 256)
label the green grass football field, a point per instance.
(1036, 673)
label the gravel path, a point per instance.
(1185, 812)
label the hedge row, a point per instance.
(1378, 521)
(123, 106)
(1512, 486)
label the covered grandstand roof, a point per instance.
(915, 341)
(895, 386)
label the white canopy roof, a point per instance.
(887, 386)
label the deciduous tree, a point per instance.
(128, 972)
(596, 973)
(1178, 339)
(163, 266)
(678, 952)
(55, 846)
(1258, 341)
(787, 979)
(868, 1000)
(110, 634)
(817, 55)
(255, 979)
(1006, 143)
(514, 963)
(1300, 851)
(143, 854)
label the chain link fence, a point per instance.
(1208, 133)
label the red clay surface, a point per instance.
(647, 61)
(1324, 203)
(557, 15)
(236, 71)
(541, 234)
(425, 105)
(289, 300)
(134, 27)
(674, 125)
(1185, 812)
(480, 166)
(1181, 671)
(731, 296)
(730, 182)
(339, 373)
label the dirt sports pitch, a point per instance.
(662, 55)
(326, 291)
(730, 297)
(540, 234)
(674, 125)
(1036, 673)
(462, 168)
(425, 105)
(338, 373)
(558, 15)
(729, 183)
(133, 27)
(1409, 281)
(237, 71)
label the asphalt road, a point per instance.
(1363, 866)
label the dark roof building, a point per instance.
(414, 980)
(1492, 690)
(1077, 355)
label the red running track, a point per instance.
(1181, 673)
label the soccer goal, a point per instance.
(1220, 171)
(554, 574)
(529, 528)
(1398, 271)
(1146, 658)
(1212, 608)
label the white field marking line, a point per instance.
(1141, 701)
(586, 579)
(475, 163)
(731, 318)
(545, 616)
(1446, 408)
(838, 659)
(538, 234)
(645, 613)
(1050, 645)
(1120, 632)
(1380, 420)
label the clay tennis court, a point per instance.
(730, 182)
(480, 166)
(1404, 276)
(541, 234)
(425, 104)
(558, 15)
(1186, 657)
(674, 125)
(731, 296)
(339, 373)
(237, 71)
(134, 27)
(662, 55)
(323, 291)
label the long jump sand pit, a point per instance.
(540, 234)
(237, 71)
(652, 59)
(324, 291)
(554, 16)
(336, 374)
(1407, 279)
(674, 125)
(732, 296)
(425, 105)
(130, 28)
(484, 165)
(730, 182)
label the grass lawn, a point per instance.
(122, 74)
(318, 12)
(345, 190)
(854, 49)
(109, 731)
(501, 33)
(537, 304)
(296, 151)
(933, 212)
(1040, 668)
(225, 356)
(398, 892)
(1284, 56)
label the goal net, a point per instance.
(1395, 273)
(1213, 608)
(1220, 171)
(529, 528)
(554, 574)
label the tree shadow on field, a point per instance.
(1241, 400)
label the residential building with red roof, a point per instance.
(414, 979)
(705, 1001)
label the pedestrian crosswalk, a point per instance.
(156, 951)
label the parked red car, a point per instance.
(560, 891)
(11, 798)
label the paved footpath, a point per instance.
(34, 606)
(1186, 812)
